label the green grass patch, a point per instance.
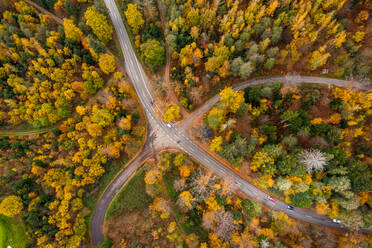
(132, 197)
(12, 233)
(169, 178)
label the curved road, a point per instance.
(137, 76)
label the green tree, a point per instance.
(246, 70)
(269, 64)
(301, 199)
(215, 118)
(250, 208)
(367, 218)
(71, 9)
(272, 52)
(235, 151)
(291, 166)
(153, 53)
(360, 176)
(276, 34)
(351, 219)
(101, 116)
(339, 184)
(235, 66)
(348, 204)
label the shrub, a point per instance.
(319, 130)
(291, 166)
(250, 208)
(301, 199)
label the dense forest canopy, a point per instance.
(60, 72)
(310, 145)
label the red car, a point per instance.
(271, 198)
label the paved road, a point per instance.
(138, 78)
(110, 192)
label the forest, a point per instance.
(59, 72)
(65, 93)
(308, 145)
(212, 44)
(181, 204)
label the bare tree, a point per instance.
(313, 159)
(220, 222)
(264, 243)
(179, 184)
(201, 184)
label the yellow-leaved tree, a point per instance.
(98, 22)
(152, 176)
(172, 113)
(134, 18)
(231, 99)
(318, 58)
(187, 199)
(107, 63)
(216, 144)
(72, 32)
(11, 206)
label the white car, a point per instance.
(336, 221)
(169, 125)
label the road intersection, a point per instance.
(177, 137)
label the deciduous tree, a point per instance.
(153, 53)
(172, 113)
(134, 18)
(72, 32)
(98, 22)
(216, 144)
(107, 63)
(231, 99)
(11, 206)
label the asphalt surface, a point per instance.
(138, 78)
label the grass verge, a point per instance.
(12, 233)
(132, 197)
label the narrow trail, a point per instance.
(60, 21)
(44, 11)
(170, 90)
(172, 206)
(15, 132)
